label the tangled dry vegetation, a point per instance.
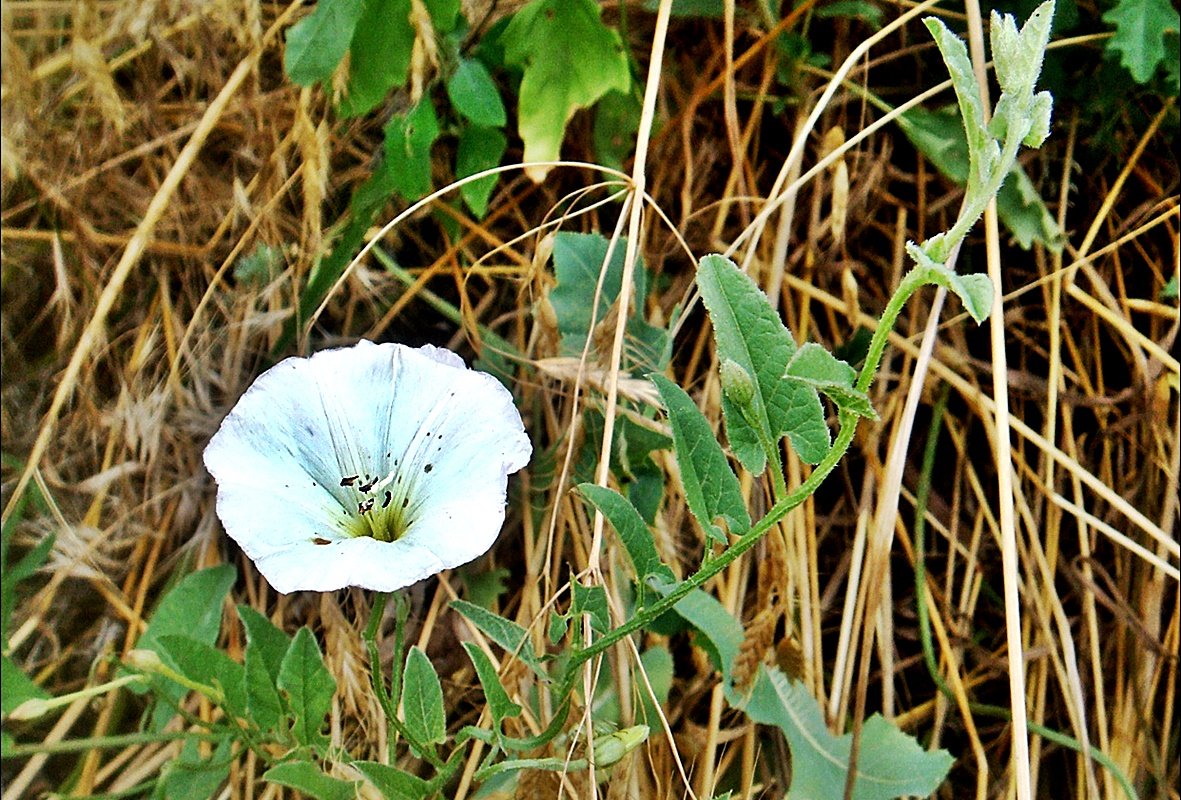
(149, 146)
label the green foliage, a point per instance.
(711, 487)
(422, 699)
(317, 43)
(506, 633)
(191, 777)
(890, 764)
(308, 687)
(499, 703)
(579, 261)
(408, 141)
(15, 686)
(750, 334)
(1142, 30)
(393, 783)
(305, 777)
(379, 55)
(570, 59)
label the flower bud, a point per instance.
(736, 383)
(612, 747)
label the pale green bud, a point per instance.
(736, 383)
(612, 747)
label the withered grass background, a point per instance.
(147, 146)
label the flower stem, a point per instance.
(389, 703)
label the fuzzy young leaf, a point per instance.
(479, 149)
(711, 487)
(393, 783)
(815, 366)
(975, 290)
(499, 704)
(309, 687)
(506, 633)
(1017, 54)
(474, 94)
(570, 60)
(317, 43)
(749, 332)
(379, 55)
(422, 699)
(955, 55)
(305, 777)
(891, 764)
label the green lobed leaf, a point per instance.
(1141, 27)
(379, 55)
(570, 60)
(264, 707)
(506, 633)
(479, 149)
(309, 687)
(474, 94)
(408, 141)
(422, 698)
(749, 332)
(499, 703)
(306, 777)
(393, 783)
(711, 487)
(317, 43)
(815, 366)
(890, 764)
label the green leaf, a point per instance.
(28, 564)
(617, 118)
(939, 136)
(591, 600)
(317, 43)
(749, 332)
(16, 687)
(379, 55)
(711, 487)
(658, 666)
(474, 94)
(632, 531)
(499, 703)
(890, 764)
(305, 777)
(1140, 30)
(721, 634)
(309, 688)
(192, 608)
(264, 640)
(408, 141)
(422, 699)
(975, 290)
(570, 60)
(393, 783)
(815, 366)
(264, 707)
(868, 13)
(209, 666)
(191, 777)
(506, 633)
(479, 149)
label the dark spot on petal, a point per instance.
(349, 481)
(367, 487)
(428, 467)
(388, 497)
(405, 502)
(320, 540)
(365, 506)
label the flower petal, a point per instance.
(309, 461)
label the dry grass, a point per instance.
(149, 145)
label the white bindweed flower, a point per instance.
(374, 466)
